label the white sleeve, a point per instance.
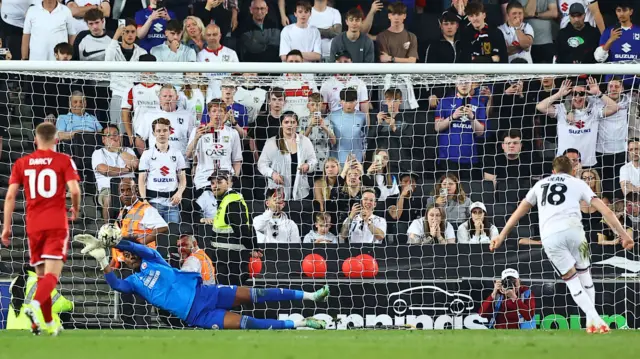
(191, 264)
(381, 224)
(624, 174)
(308, 238)
(561, 112)
(310, 152)
(234, 57)
(494, 231)
(97, 158)
(260, 223)
(363, 94)
(182, 164)
(324, 91)
(294, 235)
(528, 30)
(28, 22)
(145, 128)
(265, 161)
(463, 233)
(152, 219)
(449, 232)
(143, 164)
(125, 100)
(317, 43)
(600, 54)
(71, 30)
(285, 45)
(236, 151)
(337, 18)
(531, 195)
(416, 227)
(587, 193)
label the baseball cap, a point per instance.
(219, 174)
(475, 205)
(576, 8)
(344, 54)
(510, 272)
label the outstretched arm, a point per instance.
(522, 209)
(140, 250)
(120, 285)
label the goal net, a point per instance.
(385, 186)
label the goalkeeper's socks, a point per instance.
(261, 295)
(587, 283)
(581, 297)
(252, 323)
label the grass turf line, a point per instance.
(367, 344)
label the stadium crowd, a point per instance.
(334, 158)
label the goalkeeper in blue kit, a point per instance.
(183, 294)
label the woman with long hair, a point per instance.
(449, 194)
(287, 158)
(591, 218)
(478, 229)
(193, 33)
(433, 228)
(326, 188)
(379, 175)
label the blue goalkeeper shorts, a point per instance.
(210, 305)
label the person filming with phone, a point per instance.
(152, 23)
(510, 305)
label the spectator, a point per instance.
(172, 49)
(328, 21)
(251, 96)
(607, 237)
(591, 218)
(125, 9)
(152, 23)
(111, 161)
(268, 125)
(351, 192)
(362, 226)
(301, 36)
(91, 44)
(576, 160)
(46, 25)
(63, 51)
(577, 41)
(578, 125)
(326, 188)
(433, 228)
(333, 86)
(512, 162)
(286, 8)
(478, 229)
(379, 175)
(630, 172)
(195, 259)
(127, 50)
(287, 158)
(447, 49)
(397, 44)
(449, 194)
(192, 96)
(79, 8)
(162, 179)
(297, 87)
(193, 33)
(459, 7)
(216, 53)
(541, 15)
(349, 126)
(236, 113)
(511, 305)
(215, 12)
(459, 121)
(518, 34)
(77, 120)
(319, 131)
(394, 130)
(258, 36)
(589, 7)
(322, 234)
(353, 41)
(545, 131)
(405, 206)
(479, 40)
(273, 226)
(12, 17)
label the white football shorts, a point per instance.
(567, 249)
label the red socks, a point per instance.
(46, 285)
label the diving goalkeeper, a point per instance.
(184, 295)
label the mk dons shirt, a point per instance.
(511, 39)
(182, 122)
(216, 150)
(582, 134)
(297, 89)
(332, 86)
(140, 99)
(252, 99)
(162, 171)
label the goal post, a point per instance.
(457, 146)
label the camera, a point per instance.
(508, 283)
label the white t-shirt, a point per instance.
(332, 86)
(181, 125)
(214, 152)
(223, 54)
(197, 104)
(47, 29)
(417, 228)
(630, 173)
(558, 199)
(297, 89)
(275, 230)
(359, 231)
(253, 99)
(582, 135)
(162, 171)
(305, 39)
(564, 5)
(325, 20)
(79, 24)
(13, 11)
(208, 204)
(613, 130)
(102, 156)
(511, 39)
(140, 99)
(465, 236)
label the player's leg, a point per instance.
(32, 310)
(237, 321)
(246, 295)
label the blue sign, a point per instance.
(5, 299)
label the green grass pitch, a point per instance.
(348, 344)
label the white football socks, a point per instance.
(587, 283)
(582, 299)
(308, 296)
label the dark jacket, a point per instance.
(575, 46)
(257, 44)
(219, 15)
(486, 42)
(444, 52)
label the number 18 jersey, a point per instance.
(44, 175)
(558, 199)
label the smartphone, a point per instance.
(4, 51)
(384, 108)
(317, 114)
(377, 159)
(443, 192)
(122, 22)
(618, 26)
(160, 5)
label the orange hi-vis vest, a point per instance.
(207, 269)
(131, 227)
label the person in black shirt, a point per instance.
(591, 218)
(608, 237)
(447, 48)
(458, 8)
(513, 163)
(578, 41)
(479, 39)
(268, 125)
(404, 207)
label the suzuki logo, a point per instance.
(157, 27)
(564, 7)
(626, 47)
(164, 170)
(171, 130)
(579, 124)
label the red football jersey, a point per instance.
(44, 175)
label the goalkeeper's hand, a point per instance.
(93, 247)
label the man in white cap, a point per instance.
(510, 305)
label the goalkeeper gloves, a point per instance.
(93, 247)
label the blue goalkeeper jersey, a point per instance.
(626, 48)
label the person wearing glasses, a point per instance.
(579, 118)
(274, 226)
(362, 226)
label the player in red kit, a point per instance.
(44, 174)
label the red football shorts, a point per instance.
(49, 244)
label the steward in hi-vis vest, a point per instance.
(195, 259)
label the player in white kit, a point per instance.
(558, 199)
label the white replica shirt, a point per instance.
(582, 134)
(558, 199)
(275, 230)
(13, 11)
(162, 171)
(102, 156)
(223, 54)
(564, 5)
(297, 89)
(208, 204)
(196, 104)
(325, 20)
(359, 232)
(80, 24)
(47, 29)
(181, 125)
(253, 99)
(305, 39)
(630, 173)
(511, 39)
(332, 86)
(613, 130)
(217, 150)
(417, 228)
(140, 99)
